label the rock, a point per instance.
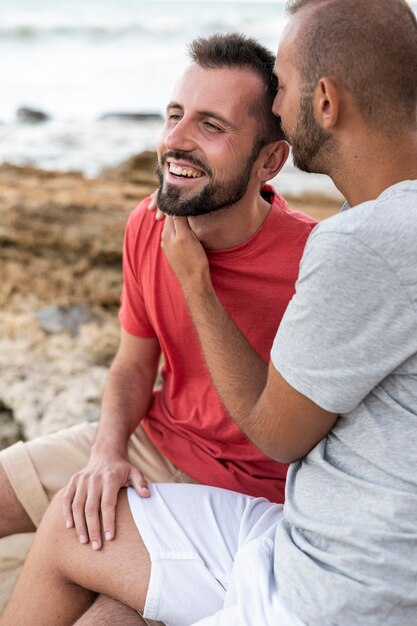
(61, 236)
(32, 116)
(58, 319)
(9, 429)
(133, 117)
(60, 257)
(48, 382)
(138, 169)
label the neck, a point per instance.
(380, 162)
(232, 225)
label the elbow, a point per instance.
(279, 447)
(282, 455)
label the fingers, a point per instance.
(108, 511)
(88, 499)
(182, 226)
(153, 203)
(168, 232)
(67, 503)
(153, 206)
(89, 518)
(89, 502)
(139, 484)
(74, 504)
(175, 227)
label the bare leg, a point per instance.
(13, 517)
(108, 611)
(61, 577)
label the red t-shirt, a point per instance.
(255, 281)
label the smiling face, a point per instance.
(208, 146)
(294, 104)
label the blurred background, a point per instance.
(84, 83)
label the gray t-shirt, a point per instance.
(346, 553)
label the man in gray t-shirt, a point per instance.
(349, 342)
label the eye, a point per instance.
(174, 117)
(213, 128)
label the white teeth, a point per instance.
(179, 171)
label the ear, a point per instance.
(271, 159)
(326, 102)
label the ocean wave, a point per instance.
(103, 32)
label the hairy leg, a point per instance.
(108, 611)
(61, 577)
(13, 517)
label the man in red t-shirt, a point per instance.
(219, 146)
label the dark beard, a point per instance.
(213, 197)
(307, 140)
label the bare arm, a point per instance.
(127, 394)
(277, 418)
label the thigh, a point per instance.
(61, 576)
(192, 534)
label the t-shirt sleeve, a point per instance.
(348, 325)
(132, 313)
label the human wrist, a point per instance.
(105, 446)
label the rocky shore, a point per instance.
(60, 279)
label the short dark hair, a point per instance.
(238, 51)
(369, 47)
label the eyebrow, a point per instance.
(216, 116)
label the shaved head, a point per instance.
(369, 47)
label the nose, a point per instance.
(180, 136)
(275, 105)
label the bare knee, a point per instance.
(13, 517)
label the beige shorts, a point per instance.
(39, 468)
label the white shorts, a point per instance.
(212, 555)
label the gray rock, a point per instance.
(132, 117)
(9, 430)
(58, 319)
(32, 116)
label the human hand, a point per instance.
(153, 206)
(185, 253)
(93, 492)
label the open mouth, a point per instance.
(184, 171)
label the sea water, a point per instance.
(77, 60)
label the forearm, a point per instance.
(125, 400)
(238, 372)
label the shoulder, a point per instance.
(290, 217)
(386, 226)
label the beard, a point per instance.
(307, 140)
(214, 196)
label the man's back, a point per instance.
(352, 543)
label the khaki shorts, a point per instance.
(39, 468)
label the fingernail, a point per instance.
(108, 535)
(83, 539)
(68, 523)
(95, 545)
